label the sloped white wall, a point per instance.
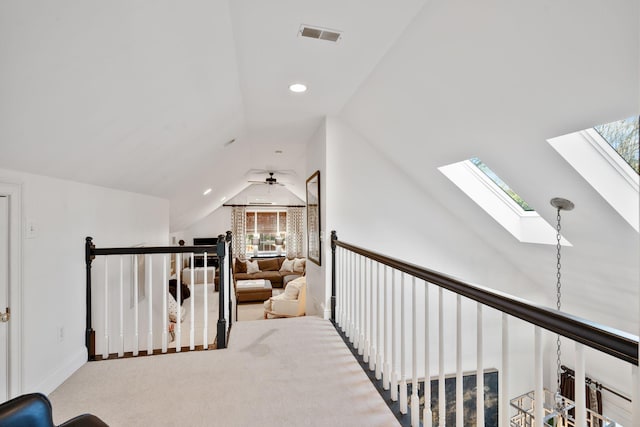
(217, 222)
(53, 286)
(497, 87)
(372, 203)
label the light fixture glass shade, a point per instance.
(297, 88)
(556, 413)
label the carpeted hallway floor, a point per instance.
(281, 372)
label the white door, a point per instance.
(4, 297)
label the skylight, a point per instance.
(500, 183)
(624, 137)
(503, 204)
(606, 156)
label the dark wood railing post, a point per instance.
(222, 323)
(230, 256)
(334, 237)
(90, 336)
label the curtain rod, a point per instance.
(597, 384)
(265, 206)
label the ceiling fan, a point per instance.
(270, 180)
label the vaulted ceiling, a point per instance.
(145, 96)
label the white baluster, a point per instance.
(105, 350)
(480, 371)
(581, 398)
(192, 330)
(165, 316)
(370, 346)
(504, 373)
(178, 327)
(354, 301)
(442, 404)
(136, 326)
(427, 415)
(150, 306)
(459, 380)
(386, 372)
(378, 326)
(361, 311)
(394, 352)
(121, 344)
(403, 346)
(538, 373)
(205, 305)
(343, 290)
(365, 317)
(415, 401)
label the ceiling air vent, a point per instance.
(319, 33)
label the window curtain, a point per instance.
(594, 396)
(239, 230)
(295, 232)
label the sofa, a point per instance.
(273, 269)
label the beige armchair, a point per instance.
(290, 303)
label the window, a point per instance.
(501, 202)
(500, 183)
(606, 156)
(624, 137)
(266, 231)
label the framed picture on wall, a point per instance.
(314, 252)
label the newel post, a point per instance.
(90, 336)
(334, 237)
(230, 258)
(222, 323)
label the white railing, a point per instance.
(401, 318)
(129, 310)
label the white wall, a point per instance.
(372, 203)
(53, 286)
(318, 290)
(217, 222)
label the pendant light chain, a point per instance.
(558, 304)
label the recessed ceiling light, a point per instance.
(297, 88)
(223, 199)
(207, 191)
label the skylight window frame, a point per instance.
(499, 192)
(604, 170)
(524, 226)
(611, 156)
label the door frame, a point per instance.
(14, 193)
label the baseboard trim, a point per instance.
(54, 380)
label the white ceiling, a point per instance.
(142, 96)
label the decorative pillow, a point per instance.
(252, 267)
(299, 265)
(241, 266)
(172, 307)
(271, 264)
(287, 265)
(293, 288)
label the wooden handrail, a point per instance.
(155, 250)
(619, 344)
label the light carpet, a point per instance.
(280, 372)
